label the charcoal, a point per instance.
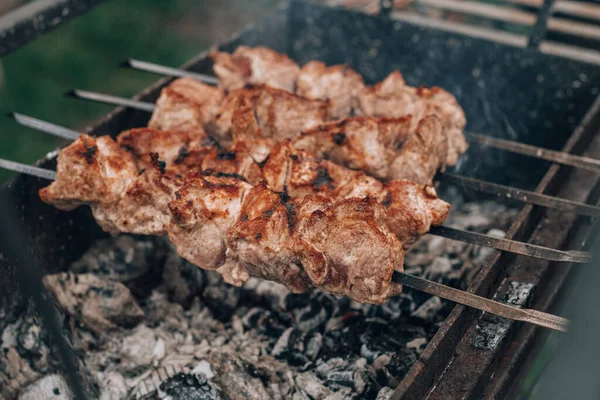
(400, 363)
(417, 345)
(255, 342)
(113, 386)
(189, 387)
(124, 259)
(270, 293)
(312, 386)
(222, 301)
(385, 393)
(139, 347)
(313, 346)
(28, 338)
(183, 280)
(438, 269)
(489, 333)
(519, 294)
(99, 304)
(492, 329)
(203, 367)
(50, 387)
(297, 347)
(236, 382)
(265, 322)
(429, 310)
(15, 373)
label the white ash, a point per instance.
(189, 335)
(50, 387)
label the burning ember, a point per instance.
(147, 324)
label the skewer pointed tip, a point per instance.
(11, 114)
(71, 93)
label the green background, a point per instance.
(85, 53)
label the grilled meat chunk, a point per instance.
(338, 83)
(386, 148)
(186, 104)
(90, 171)
(280, 114)
(205, 209)
(411, 209)
(173, 146)
(343, 247)
(393, 98)
(255, 65)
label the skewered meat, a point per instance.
(255, 66)
(411, 209)
(226, 224)
(389, 98)
(186, 104)
(300, 243)
(338, 83)
(393, 98)
(300, 173)
(386, 148)
(92, 170)
(280, 114)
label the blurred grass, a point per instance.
(85, 54)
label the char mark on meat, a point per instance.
(323, 179)
(183, 154)
(159, 164)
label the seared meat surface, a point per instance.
(280, 114)
(338, 84)
(329, 236)
(410, 209)
(186, 104)
(256, 65)
(393, 98)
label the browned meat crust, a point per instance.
(256, 65)
(338, 84)
(393, 98)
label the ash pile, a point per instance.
(146, 324)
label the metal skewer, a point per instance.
(554, 156)
(511, 246)
(481, 303)
(469, 299)
(163, 70)
(502, 191)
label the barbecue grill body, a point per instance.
(506, 92)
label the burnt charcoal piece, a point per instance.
(98, 303)
(183, 280)
(190, 387)
(236, 382)
(299, 348)
(268, 293)
(124, 259)
(28, 338)
(399, 365)
(222, 301)
(264, 322)
(15, 373)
